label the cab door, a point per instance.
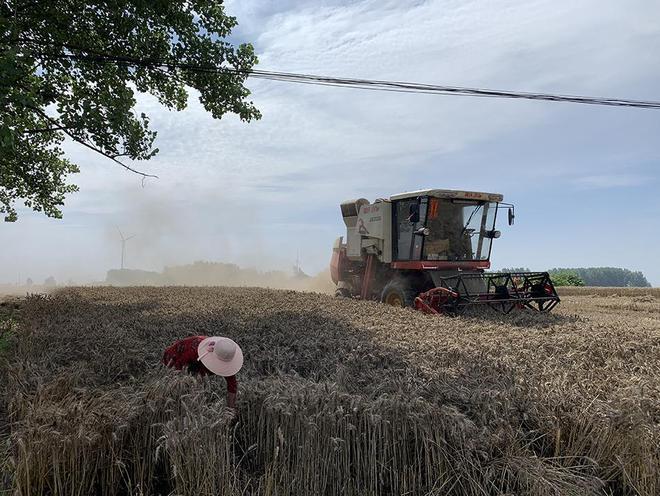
(409, 216)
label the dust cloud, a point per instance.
(230, 240)
(195, 274)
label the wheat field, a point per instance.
(335, 397)
(596, 291)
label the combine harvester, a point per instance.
(430, 250)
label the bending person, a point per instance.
(202, 356)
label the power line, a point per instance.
(362, 84)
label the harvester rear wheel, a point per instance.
(399, 293)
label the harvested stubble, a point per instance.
(607, 291)
(336, 397)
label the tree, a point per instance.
(607, 276)
(566, 278)
(514, 269)
(71, 68)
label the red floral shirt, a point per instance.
(183, 353)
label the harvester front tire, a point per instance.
(399, 293)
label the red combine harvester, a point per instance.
(430, 250)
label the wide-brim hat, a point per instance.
(226, 359)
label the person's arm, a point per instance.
(232, 390)
(167, 357)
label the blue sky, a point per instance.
(584, 179)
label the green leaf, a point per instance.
(70, 70)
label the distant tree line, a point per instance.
(200, 273)
(592, 276)
(515, 269)
(606, 276)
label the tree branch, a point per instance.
(95, 55)
(47, 129)
(101, 152)
(89, 145)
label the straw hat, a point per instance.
(222, 356)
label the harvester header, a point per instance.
(430, 249)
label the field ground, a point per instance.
(605, 291)
(336, 397)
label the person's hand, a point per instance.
(229, 415)
(210, 348)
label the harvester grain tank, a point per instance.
(431, 250)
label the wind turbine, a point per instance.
(123, 246)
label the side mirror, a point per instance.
(512, 216)
(413, 213)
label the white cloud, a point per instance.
(611, 181)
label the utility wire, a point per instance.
(362, 84)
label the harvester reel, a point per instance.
(502, 300)
(439, 301)
(502, 292)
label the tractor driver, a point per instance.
(202, 356)
(447, 239)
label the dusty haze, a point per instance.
(196, 274)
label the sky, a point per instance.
(585, 180)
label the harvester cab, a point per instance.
(431, 250)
